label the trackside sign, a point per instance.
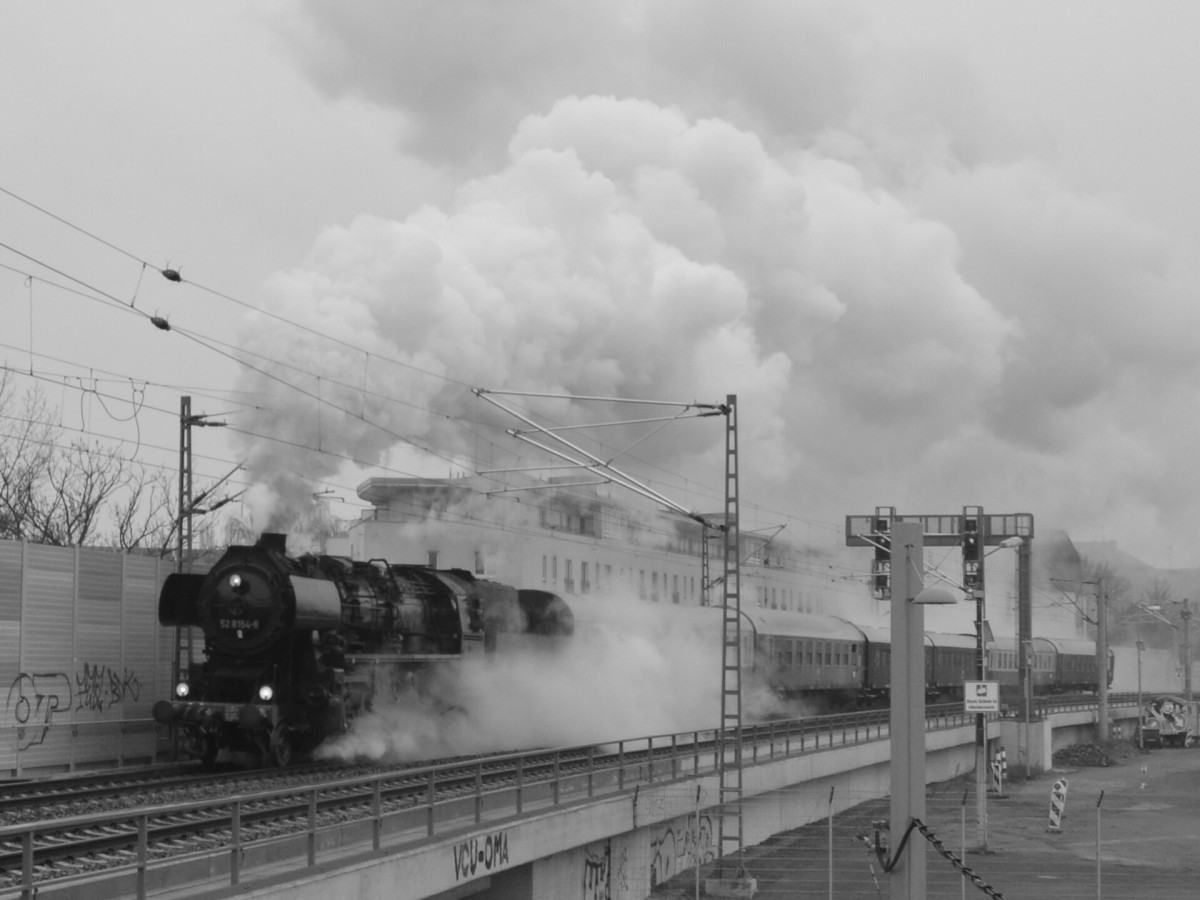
(981, 696)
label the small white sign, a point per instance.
(981, 696)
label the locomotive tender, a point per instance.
(295, 648)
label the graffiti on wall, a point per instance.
(597, 877)
(605, 878)
(36, 699)
(33, 701)
(99, 688)
(480, 855)
(678, 849)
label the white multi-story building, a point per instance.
(574, 541)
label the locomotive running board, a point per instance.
(380, 659)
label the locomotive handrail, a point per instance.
(542, 779)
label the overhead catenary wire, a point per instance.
(174, 274)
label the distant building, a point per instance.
(575, 541)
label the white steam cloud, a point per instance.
(685, 200)
(632, 669)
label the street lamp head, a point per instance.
(934, 596)
(1007, 544)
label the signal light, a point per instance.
(881, 567)
(970, 540)
(970, 545)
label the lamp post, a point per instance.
(1101, 660)
(1140, 648)
(1186, 614)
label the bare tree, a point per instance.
(145, 517)
(26, 449)
(77, 483)
(58, 495)
(1158, 592)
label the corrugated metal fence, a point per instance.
(82, 657)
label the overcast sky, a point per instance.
(943, 252)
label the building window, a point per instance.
(545, 567)
(569, 577)
(585, 586)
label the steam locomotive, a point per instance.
(295, 648)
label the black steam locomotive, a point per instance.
(295, 648)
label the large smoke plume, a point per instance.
(687, 200)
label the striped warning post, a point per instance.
(1058, 800)
(999, 771)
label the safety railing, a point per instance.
(453, 797)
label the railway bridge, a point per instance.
(614, 824)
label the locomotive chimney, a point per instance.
(272, 541)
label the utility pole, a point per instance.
(187, 509)
(1101, 661)
(972, 538)
(739, 883)
(1186, 615)
(907, 717)
(1025, 639)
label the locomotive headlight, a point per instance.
(266, 693)
(181, 690)
(235, 583)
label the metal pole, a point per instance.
(981, 762)
(907, 713)
(1141, 743)
(1186, 615)
(1025, 642)
(1102, 661)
